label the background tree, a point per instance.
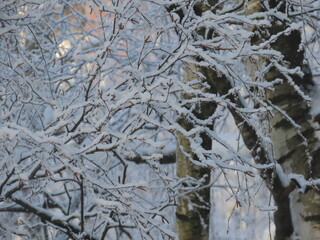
(72, 97)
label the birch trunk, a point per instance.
(298, 213)
(193, 210)
(294, 148)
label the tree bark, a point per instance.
(193, 210)
(292, 132)
(293, 136)
(295, 147)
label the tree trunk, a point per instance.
(295, 147)
(293, 137)
(193, 210)
(294, 143)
